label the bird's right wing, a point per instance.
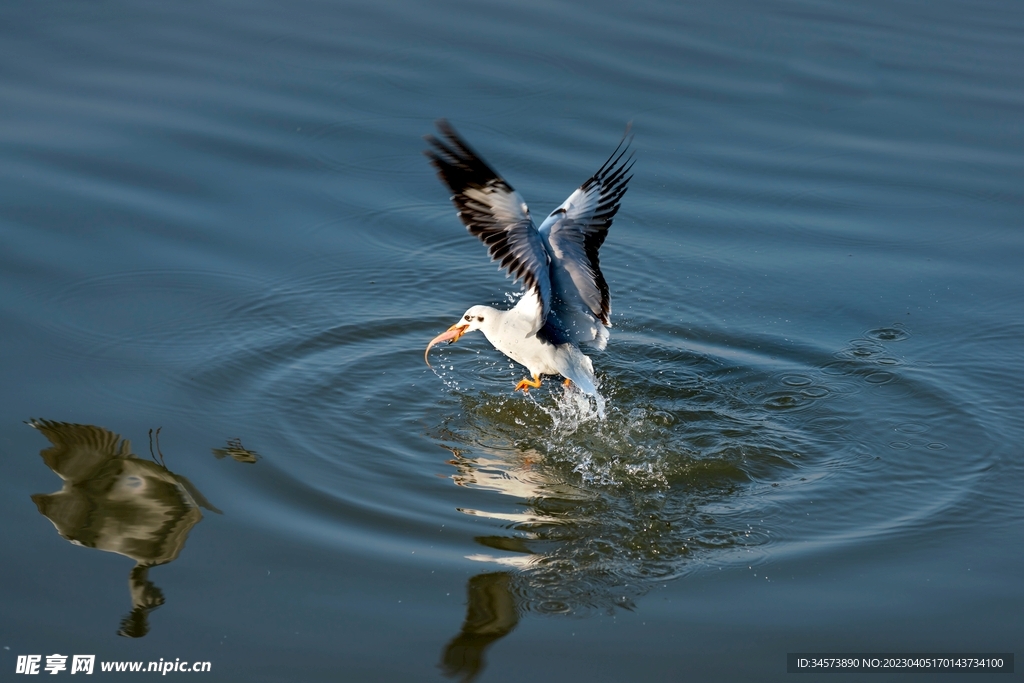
(494, 212)
(577, 229)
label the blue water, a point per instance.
(216, 222)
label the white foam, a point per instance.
(574, 408)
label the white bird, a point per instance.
(566, 301)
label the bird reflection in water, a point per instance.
(566, 548)
(492, 605)
(112, 500)
(491, 614)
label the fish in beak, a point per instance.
(451, 335)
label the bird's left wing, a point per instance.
(494, 212)
(577, 229)
(78, 451)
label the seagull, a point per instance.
(565, 302)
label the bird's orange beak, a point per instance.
(451, 335)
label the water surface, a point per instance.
(217, 223)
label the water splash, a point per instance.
(573, 408)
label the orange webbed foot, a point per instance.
(525, 384)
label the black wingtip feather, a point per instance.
(458, 165)
(612, 182)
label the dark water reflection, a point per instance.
(114, 501)
(491, 614)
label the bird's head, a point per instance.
(473, 319)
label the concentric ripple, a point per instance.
(714, 451)
(704, 460)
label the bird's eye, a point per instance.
(466, 318)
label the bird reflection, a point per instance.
(112, 500)
(492, 606)
(491, 614)
(566, 551)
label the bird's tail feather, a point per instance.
(576, 366)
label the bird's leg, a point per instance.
(526, 384)
(567, 383)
